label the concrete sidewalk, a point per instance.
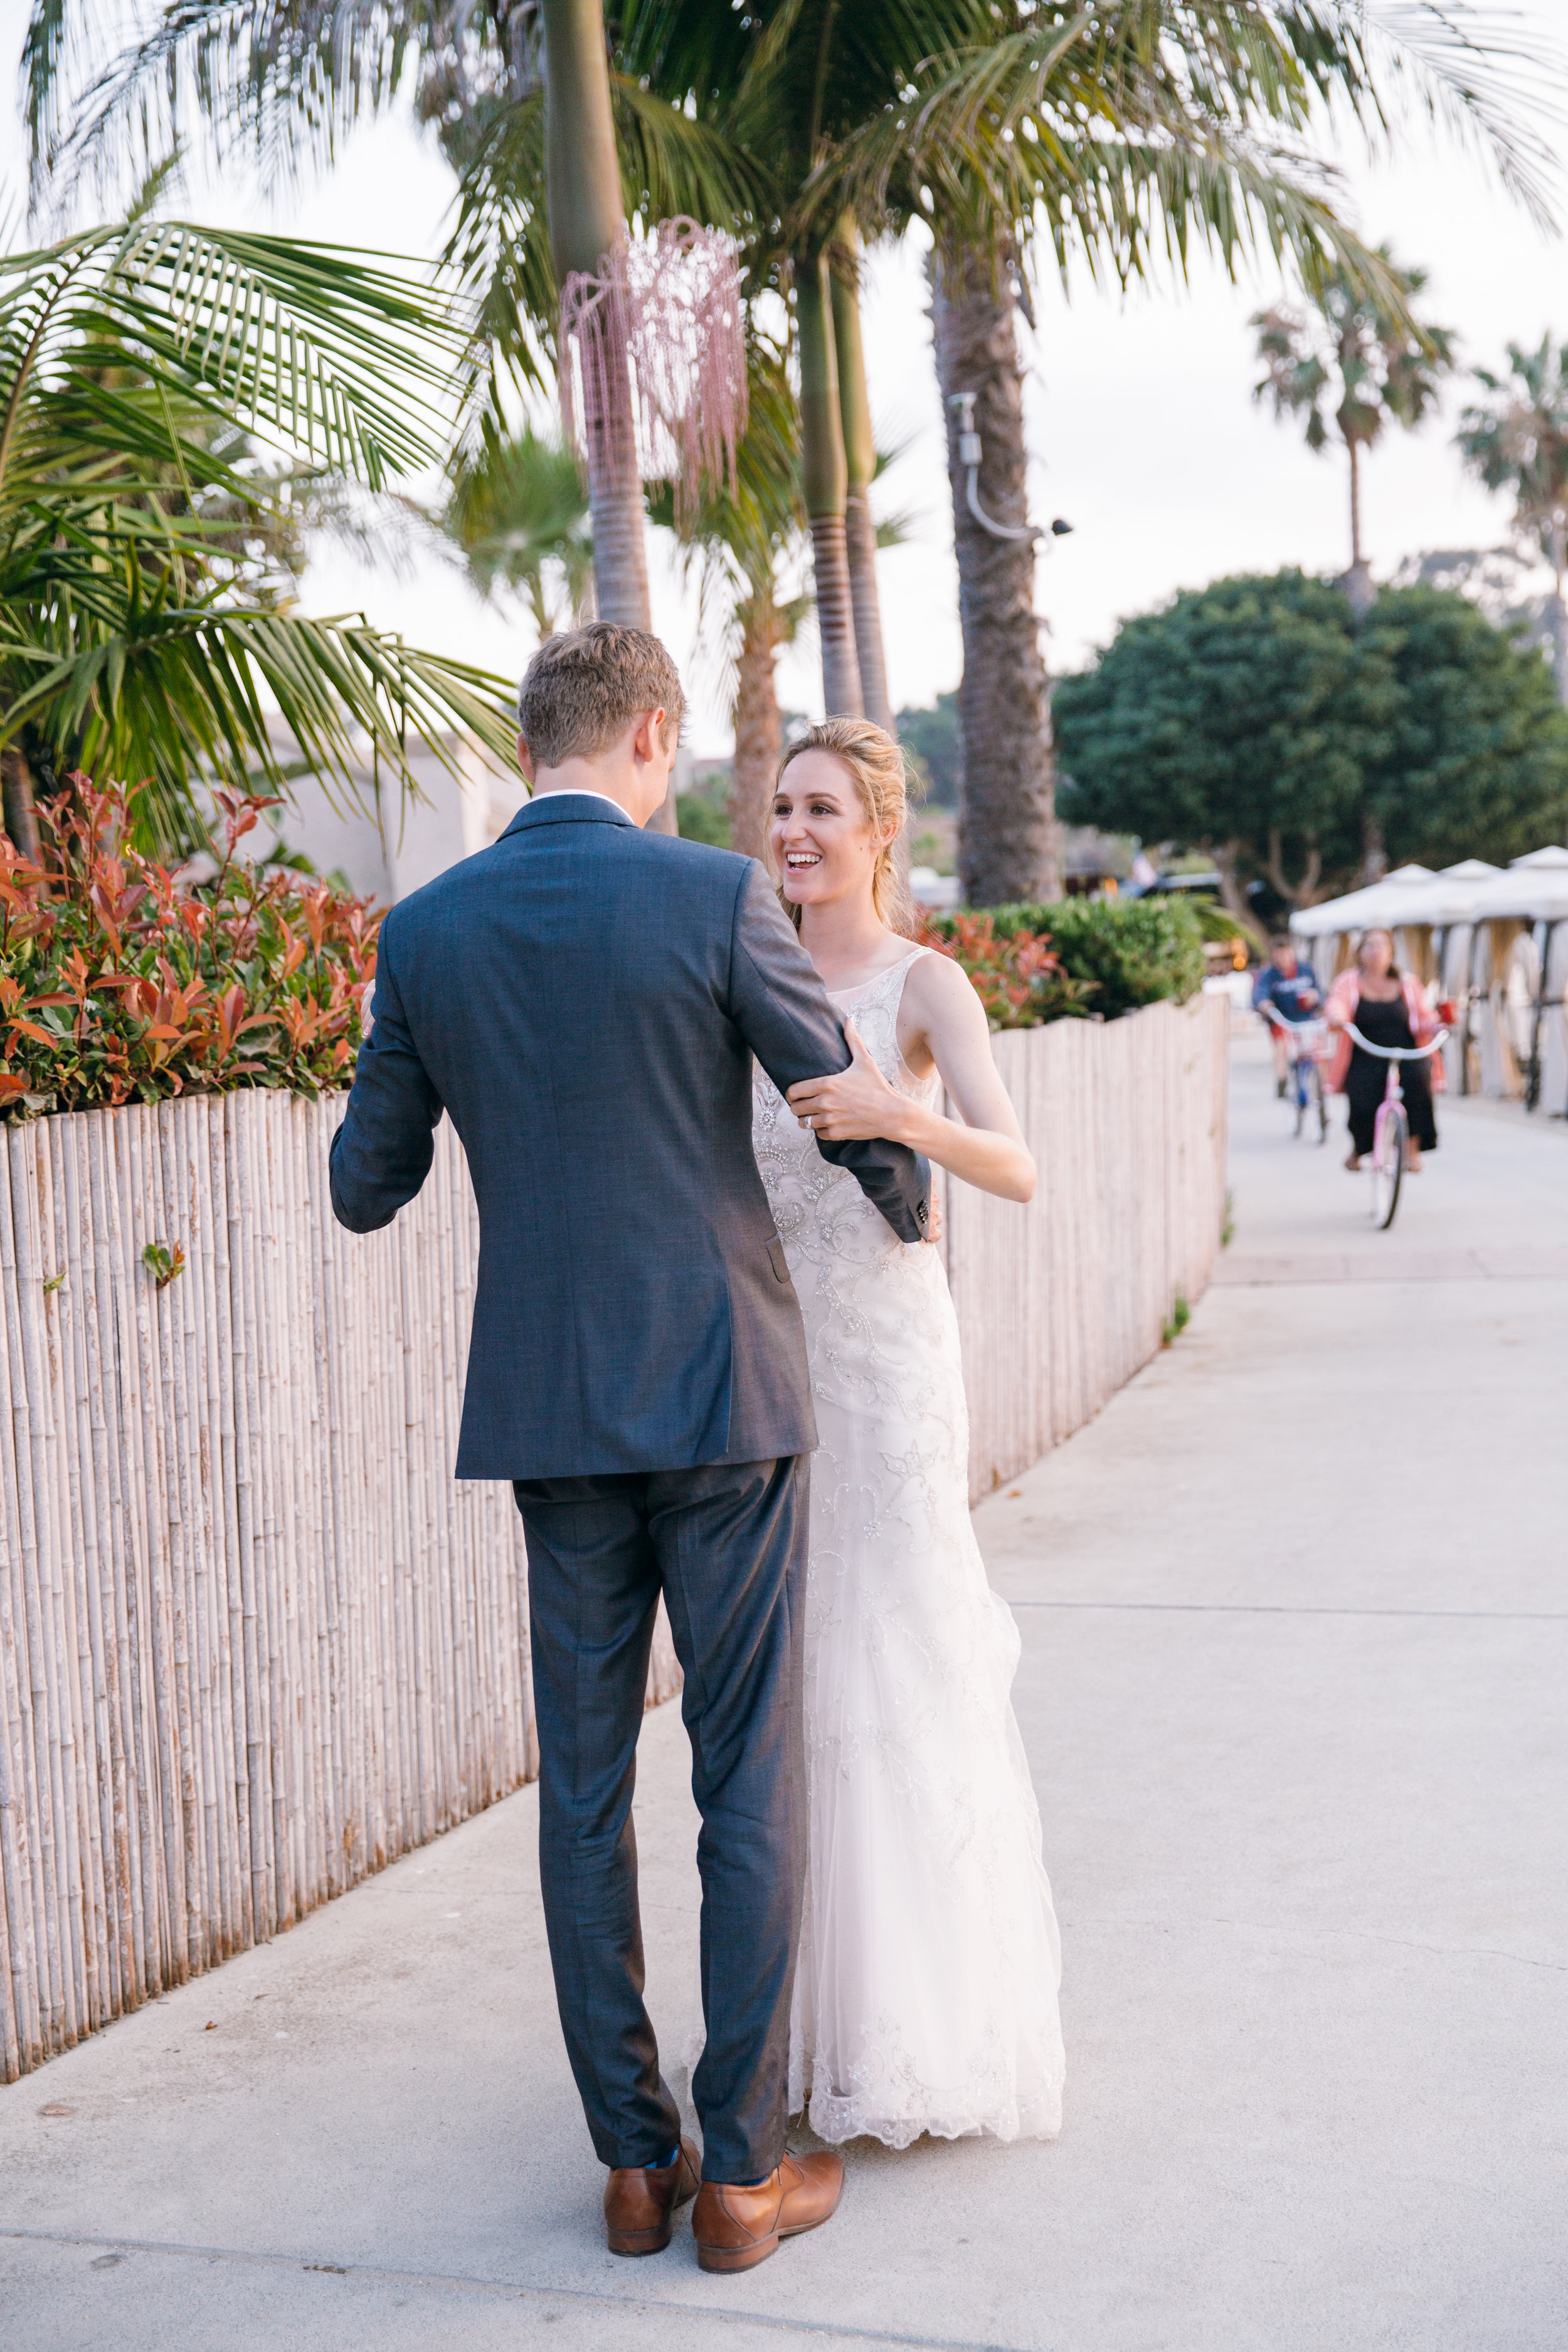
(1295, 1618)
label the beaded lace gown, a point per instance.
(926, 1992)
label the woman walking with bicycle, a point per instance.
(1389, 1010)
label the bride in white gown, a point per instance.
(926, 1990)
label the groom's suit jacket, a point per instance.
(583, 998)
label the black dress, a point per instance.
(1387, 1025)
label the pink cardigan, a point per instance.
(1344, 1000)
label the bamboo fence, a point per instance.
(1060, 1303)
(255, 1639)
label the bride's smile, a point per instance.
(823, 847)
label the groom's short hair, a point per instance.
(581, 688)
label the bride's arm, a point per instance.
(943, 1020)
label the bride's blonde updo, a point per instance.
(876, 764)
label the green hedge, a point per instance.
(1122, 952)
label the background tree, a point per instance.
(1475, 763)
(1232, 722)
(142, 601)
(518, 516)
(1518, 441)
(1351, 363)
(930, 736)
(1259, 722)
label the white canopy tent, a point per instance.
(1380, 902)
(1494, 940)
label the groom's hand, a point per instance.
(854, 1104)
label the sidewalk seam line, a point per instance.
(505, 2289)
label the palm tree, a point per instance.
(525, 103)
(143, 606)
(1354, 362)
(787, 83)
(860, 539)
(736, 542)
(1115, 138)
(588, 228)
(1518, 441)
(517, 515)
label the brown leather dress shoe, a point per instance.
(735, 2228)
(640, 2206)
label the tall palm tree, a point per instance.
(587, 230)
(787, 83)
(1351, 363)
(736, 542)
(1114, 139)
(143, 608)
(1518, 441)
(860, 471)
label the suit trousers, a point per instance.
(726, 1544)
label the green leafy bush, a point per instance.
(1117, 954)
(703, 814)
(122, 982)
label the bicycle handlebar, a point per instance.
(1395, 1053)
(1268, 1007)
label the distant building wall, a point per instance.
(387, 842)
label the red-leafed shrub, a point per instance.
(1016, 975)
(122, 982)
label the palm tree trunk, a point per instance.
(860, 466)
(583, 177)
(1357, 584)
(758, 725)
(825, 479)
(21, 815)
(1559, 609)
(1007, 849)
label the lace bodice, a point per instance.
(817, 1207)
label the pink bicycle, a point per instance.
(1391, 1127)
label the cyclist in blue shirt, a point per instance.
(1291, 987)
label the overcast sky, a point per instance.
(1143, 430)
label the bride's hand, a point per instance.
(855, 1105)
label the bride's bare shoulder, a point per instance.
(936, 984)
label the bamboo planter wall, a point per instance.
(255, 1640)
(1058, 1304)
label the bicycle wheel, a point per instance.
(1387, 1165)
(1320, 1109)
(1299, 1088)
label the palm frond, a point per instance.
(285, 80)
(1470, 70)
(1101, 149)
(146, 627)
(176, 695)
(288, 340)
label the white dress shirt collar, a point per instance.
(582, 792)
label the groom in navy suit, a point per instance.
(584, 1000)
